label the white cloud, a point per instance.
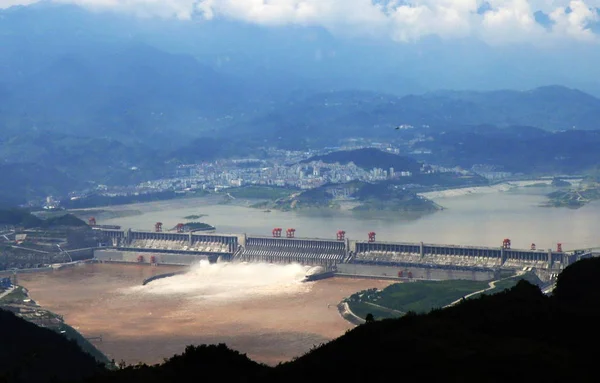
(10, 3)
(505, 21)
(181, 9)
(576, 23)
(511, 21)
(445, 18)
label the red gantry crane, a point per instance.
(180, 227)
(92, 221)
(341, 235)
(372, 236)
(277, 232)
(506, 244)
(290, 233)
(158, 227)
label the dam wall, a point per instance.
(119, 256)
(185, 248)
(413, 272)
(191, 241)
(307, 251)
(363, 252)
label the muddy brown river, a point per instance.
(262, 310)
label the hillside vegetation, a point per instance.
(518, 149)
(373, 197)
(424, 296)
(33, 354)
(23, 218)
(574, 197)
(420, 297)
(336, 115)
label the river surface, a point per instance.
(476, 219)
(259, 309)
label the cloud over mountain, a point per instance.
(494, 21)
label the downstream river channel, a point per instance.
(261, 310)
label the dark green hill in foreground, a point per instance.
(518, 335)
(29, 353)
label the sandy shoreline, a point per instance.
(503, 187)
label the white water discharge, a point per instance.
(227, 282)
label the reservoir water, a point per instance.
(475, 219)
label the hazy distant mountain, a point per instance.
(517, 149)
(39, 164)
(548, 107)
(214, 147)
(68, 70)
(22, 182)
(326, 117)
(134, 94)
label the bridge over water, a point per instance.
(186, 248)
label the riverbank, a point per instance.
(501, 187)
(348, 315)
(423, 296)
(574, 197)
(18, 301)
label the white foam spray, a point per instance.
(227, 282)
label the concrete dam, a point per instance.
(286, 250)
(342, 255)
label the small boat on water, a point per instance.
(266, 211)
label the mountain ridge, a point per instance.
(322, 119)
